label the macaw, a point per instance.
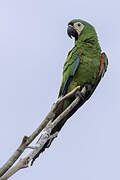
(85, 66)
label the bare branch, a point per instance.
(47, 125)
(24, 144)
(22, 163)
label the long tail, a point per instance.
(103, 68)
(59, 126)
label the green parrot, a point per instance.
(85, 66)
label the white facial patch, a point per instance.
(78, 27)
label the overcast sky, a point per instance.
(33, 48)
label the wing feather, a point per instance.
(68, 73)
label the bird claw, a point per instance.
(88, 87)
(80, 94)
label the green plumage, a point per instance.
(80, 70)
(89, 65)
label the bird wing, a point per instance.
(70, 68)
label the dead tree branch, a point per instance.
(46, 127)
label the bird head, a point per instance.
(77, 28)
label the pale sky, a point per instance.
(33, 48)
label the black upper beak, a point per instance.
(72, 32)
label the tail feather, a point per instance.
(59, 126)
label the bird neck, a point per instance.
(88, 43)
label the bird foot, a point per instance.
(88, 87)
(80, 94)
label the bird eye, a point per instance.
(79, 24)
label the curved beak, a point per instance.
(72, 32)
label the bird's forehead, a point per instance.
(74, 21)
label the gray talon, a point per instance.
(88, 87)
(78, 93)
